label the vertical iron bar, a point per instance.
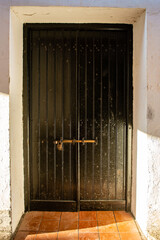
(109, 132)
(47, 118)
(116, 121)
(78, 118)
(101, 124)
(129, 118)
(55, 155)
(29, 62)
(124, 128)
(127, 106)
(93, 129)
(70, 121)
(62, 110)
(85, 170)
(39, 127)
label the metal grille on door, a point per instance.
(80, 89)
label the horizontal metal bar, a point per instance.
(54, 205)
(102, 205)
(69, 26)
(53, 201)
(105, 201)
(60, 142)
(74, 141)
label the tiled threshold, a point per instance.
(91, 225)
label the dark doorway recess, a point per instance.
(77, 86)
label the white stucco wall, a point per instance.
(5, 218)
(4, 153)
(5, 199)
(153, 123)
(146, 81)
(16, 119)
(139, 177)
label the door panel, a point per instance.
(79, 88)
(102, 115)
(52, 116)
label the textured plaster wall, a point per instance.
(16, 126)
(5, 218)
(153, 224)
(4, 47)
(5, 203)
(4, 153)
(139, 177)
(153, 124)
(146, 80)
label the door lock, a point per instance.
(60, 142)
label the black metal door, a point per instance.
(79, 89)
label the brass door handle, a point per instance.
(60, 142)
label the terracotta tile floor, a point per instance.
(106, 225)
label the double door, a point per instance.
(80, 88)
